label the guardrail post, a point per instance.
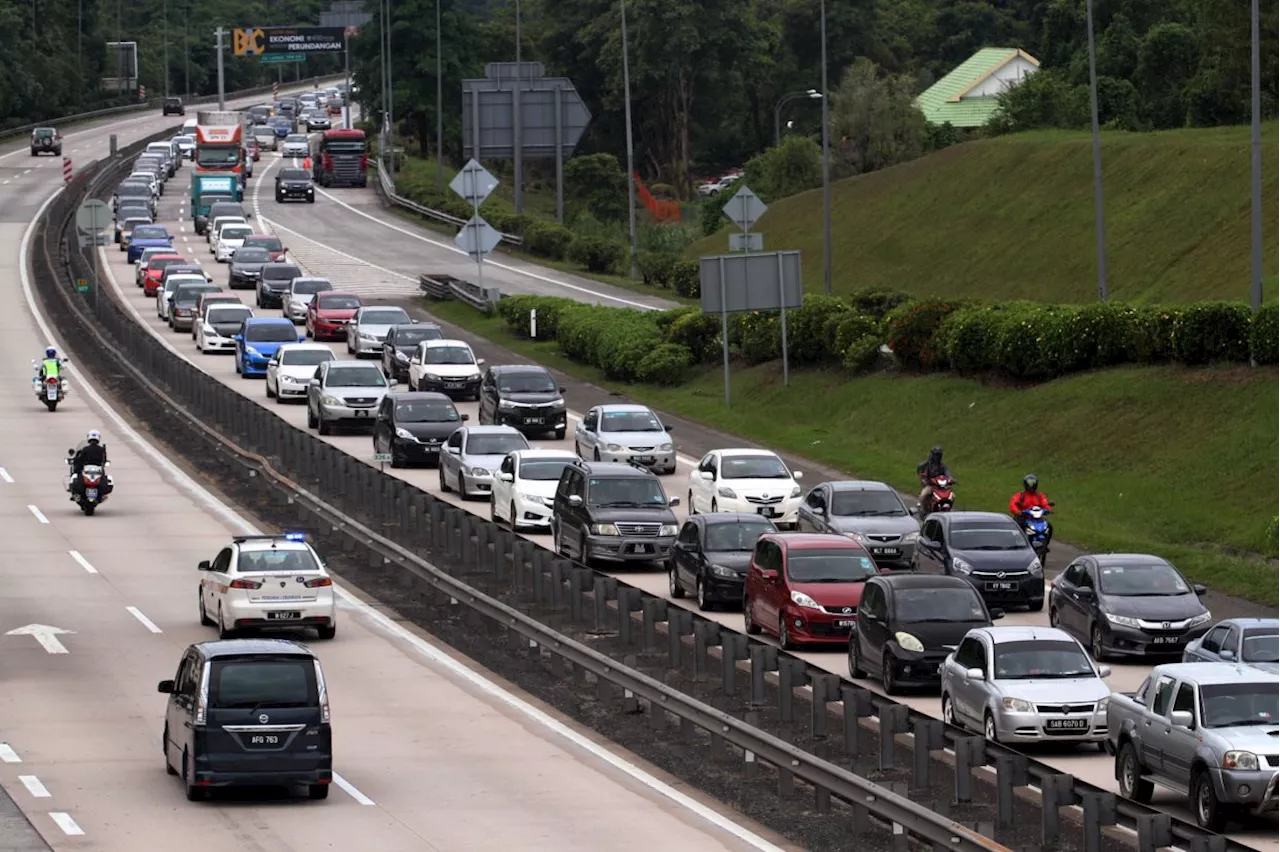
(679, 625)
(1011, 772)
(791, 674)
(580, 580)
(482, 553)
(606, 588)
(825, 688)
(1056, 791)
(1155, 831)
(1099, 811)
(970, 752)
(705, 635)
(1208, 843)
(733, 647)
(628, 602)
(560, 572)
(654, 610)
(764, 658)
(893, 720)
(857, 706)
(928, 737)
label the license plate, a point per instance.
(1000, 587)
(284, 616)
(644, 460)
(767, 511)
(91, 493)
(263, 740)
(535, 421)
(1067, 724)
(640, 548)
(453, 385)
(51, 393)
(885, 551)
(847, 623)
(360, 412)
(1167, 640)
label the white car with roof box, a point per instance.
(757, 482)
(524, 487)
(290, 370)
(267, 582)
(230, 237)
(219, 326)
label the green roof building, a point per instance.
(967, 97)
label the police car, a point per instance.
(267, 582)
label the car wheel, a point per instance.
(270, 395)
(1211, 814)
(989, 728)
(223, 631)
(673, 582)
(784, 637)
(318, 792)
(855, 659)
(326, 428)
(511, 516)
(327, 633)
(311, 418)
(715, 507)
(749, 625)
(557, 543)
(596, 454)
(689, 504)
(559, 434)
(462, 486)
(205, 620)
(1096, 644)
(444, 485)
(194, 793)
(1053, 616)
(1035, 604)
(1129, 774)
(700, 595)
(949, 712)
(888, 680)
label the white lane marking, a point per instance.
(4, 474)
(46, 635)
(4, 182)
(146, 622)
(39, 515)
(351, 790)
(34, 786)
(229, 516)
(67, 824)
(455, 250)
(84, 563)
(27, 172)
(8, 755)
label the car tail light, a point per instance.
(245, 584)
(318, 583)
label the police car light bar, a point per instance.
(295, 536)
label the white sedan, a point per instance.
(266, 582)
(230, 238)
(525, 487)
(746, 480)
(217, 329)
(290, 370)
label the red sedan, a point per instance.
(153, 274)
(271, 243)
(329, 313)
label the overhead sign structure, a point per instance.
(266, 41)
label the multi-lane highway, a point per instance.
(430, 755)
(346, 237)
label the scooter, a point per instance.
(1035, 524)
(941, 495)
(95, 485)
(51, 391)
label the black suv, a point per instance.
(400, 343)
(274, 282)
(46, 140)
(295, 183)
(173, 106)
(524, 396)
(909, 623)
(248, 712)
(613, 512)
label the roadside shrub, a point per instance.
(509, 223)
(862, 354)
(667, 364)
(514, 310)
(711, 216)
(760, 336)
(684, 279)
(547, 239)
(911, 328)
(597, 254)
(877, 301)
(1264, 328)
(1111, 329)
(615, 340)
(699, 333)
(1029, 343)
(856, 340)
(966, 339)
(1209, 332)
(1153, 334)
(656, 267)
(806, 329)
(666, 319)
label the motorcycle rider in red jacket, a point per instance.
(1029, 497)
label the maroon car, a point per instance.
(253, 149)
(328, 314)
(271, 243)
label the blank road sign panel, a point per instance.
(751, 282)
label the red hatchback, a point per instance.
(270, 242)
(328, 314)
(805, 587)
(153, 273)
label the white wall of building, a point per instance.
(1013, 73)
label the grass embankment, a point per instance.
(1012, 218)
(1151, 459)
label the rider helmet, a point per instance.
(50, 352)
(1030, 482)
(94, 436)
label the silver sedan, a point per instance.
(472, 454)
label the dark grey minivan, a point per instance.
(248, 713)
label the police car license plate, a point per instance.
(284, 616)
(91, 493)
(51, 393)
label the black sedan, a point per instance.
(711, 555)
(987, 549)
(246, 267)
(411, 427)
(1128, 604)
(295, 184)
(524, 396)
(400, 343)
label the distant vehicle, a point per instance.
(411, 427)
(400, 344)
(1252, 641)
(295, 145)
(219, 142)
(344, 393)
(173, 106)
(989, 550)
(341, 158)
(292, 367)
(295, 183)
(329, 313)
(609, 512)
(625, 433)
(259, 338)
(524, 487)
(525, 396)
(369, 327)
(870, 513)
(446, 366)
(300, 293)
(46, 140)
(472, 454)
(216, 330)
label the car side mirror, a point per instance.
(479, 362)
(707, 475)
(165, 686)
(673, 501)
(818, 509)
(1228, 656)
(797, 474)
(239, 338)
(1181, 718)
(914, 511)
(667, 428)
(575, 501)
(506, 477)
(997, 614)
(1104, 671)
(562, 389)
(974, 674)
(453, 451)
(464, 417)
(204, 565)
(1199, 589)
(314, 383)
(768, 575)
(302, 338)
(1085, 592)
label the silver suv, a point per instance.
(344, 392)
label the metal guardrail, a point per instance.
(219, 411)
(422, 522)
(445, 287)
(387, 185)
(150, 103)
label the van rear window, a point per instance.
(267, 682)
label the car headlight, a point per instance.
(1202, 618)
(431, 377)
(911, 537)
(603, 529)
(558, 402)
(474, 377)
(795, 492)
(909, 642)
(1246, 760)
(613, 448)
(1101, 708)
(960, 565)
(1035, 569)
(535, 498)
(368, 337)
(329, 400)
(1122, 620)
(722, 571)
(208, 330)
(405, 434)
(665, 448)
(289, 380)
(249, 350)
(479, 471)
(1018, 705)
(506, 404)
(801, 599)
(727, 493)
(400, 356)
(669, 529)
(856, 536)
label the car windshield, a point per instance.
(866, 504)
(448, 355)
(1224, 705)
(279, 121)
(208, 199)
(44, 133)
(184, 140)
(526, 383)
(173, 282)
(235, 233)
(217, 156)
(161, 262)
(228, 314)
(938, 605)
(495, 445)
(1152, 578)
(1261, 646)
(191, 293)
(735, 536)
(272, 332)
(273, 683)
(251, 254)
(305, 357)
(268, 243)
(543, 470)
(364, 376)
(383, 316)
(350, 146)
(426, 411)
(285, 273)
(1039, 659)
(829, 565)
(133, 224)
(626, 491)
(416, 334)
(986, 538)
(297, 138)
(137, 213)
(629, 421)
(753, 467)
(263, 130)
(337, 303)
(294, 174)
(310, 286)
(150, 232)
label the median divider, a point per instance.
(429, 546)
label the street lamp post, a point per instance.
(1099, 224)
(166, 48)
(631, 166)
(826, 160)
(518, 177)
(783, 101)
(440, 104)
(1255, 165)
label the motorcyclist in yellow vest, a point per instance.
(51, 366)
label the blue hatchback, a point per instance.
(145, 237)
(258, 340)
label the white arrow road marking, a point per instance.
(8, 755)
(34, 787)
(39, 515)
(350, 790)
(4, 474)
(146, 622)
(47, 636)
(84, 563)
(67, 824)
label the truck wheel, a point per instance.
(1129, 774)
(1211, 814)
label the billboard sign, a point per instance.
(269, 41)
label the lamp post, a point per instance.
(1255, 165)
(518, 177)
(439, 104)
(631, 166)
(783, 101)
(166, 48)
(1099, 224)
(826, 159)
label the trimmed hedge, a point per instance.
(597, 254)
(1264, 335)
(911, 328)
(1211, 331)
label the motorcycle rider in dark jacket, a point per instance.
(91, 452)
(928, 469)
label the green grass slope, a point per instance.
(1012, 217)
